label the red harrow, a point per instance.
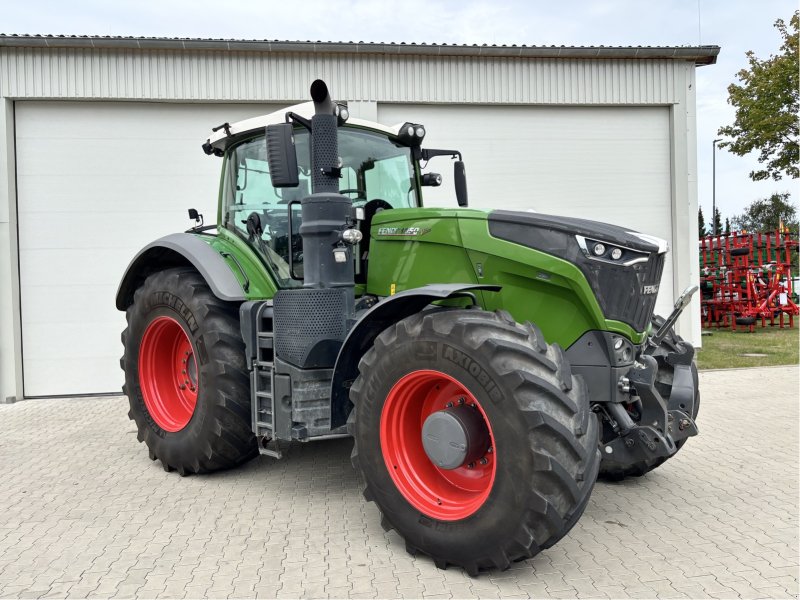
(746, 277)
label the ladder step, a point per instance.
(263, 402)
(269, 447)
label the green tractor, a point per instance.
(489, 365)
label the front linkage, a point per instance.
(656, 410)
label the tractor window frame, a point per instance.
(362, 151)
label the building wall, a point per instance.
(215, 76)
(365, 79)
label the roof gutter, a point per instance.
(700, 55)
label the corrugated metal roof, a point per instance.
(700, 55)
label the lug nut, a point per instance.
(471, 465)
(484, 461)
(461, 400)
(490, 450)
(449, 405)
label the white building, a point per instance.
(100, 140)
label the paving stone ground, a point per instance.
(85, 513)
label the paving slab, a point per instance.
(85, 513)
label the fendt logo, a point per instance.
(650, 289)
(416, 231)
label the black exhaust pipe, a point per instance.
(326, 212)
(312, 322)
(324, 145)
(323, 105)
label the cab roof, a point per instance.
(221, 138)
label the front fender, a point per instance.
(387, 312)
(175, 250)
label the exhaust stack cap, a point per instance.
(323, 105)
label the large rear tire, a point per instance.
(185, 375)
(672, 343)
(532, 477)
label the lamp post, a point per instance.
(714, 186)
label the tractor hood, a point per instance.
(623, 267)
(538, 231)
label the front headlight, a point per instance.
(610, 253)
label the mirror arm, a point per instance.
(428, 153)
(295, 118)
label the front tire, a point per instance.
(185, 375)
(532, 476)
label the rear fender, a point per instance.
(362, 335)
(175, 250)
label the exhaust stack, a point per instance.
(324, 144)
(312, 322)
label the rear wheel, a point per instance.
(473, 438)
(185, 375)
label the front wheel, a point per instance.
(473, 438)
(185, 375)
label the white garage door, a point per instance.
(609, 164)
(96, 182)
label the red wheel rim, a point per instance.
(168, 374)
(446, 495)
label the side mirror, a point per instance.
(460, 179)
(282, 156)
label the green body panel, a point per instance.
(415, 247)
(262, 285)
(411, 247)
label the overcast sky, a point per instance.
(735, 25)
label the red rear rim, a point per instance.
(168, 374)
(446, 495)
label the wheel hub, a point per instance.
(427, 407)
(168, 374)
(455, 436)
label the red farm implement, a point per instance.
(747, 277)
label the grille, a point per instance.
(643, 309)
(620, 289)
(304, 318)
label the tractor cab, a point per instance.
(378, 170)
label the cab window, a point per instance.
(373, 168)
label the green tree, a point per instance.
(716, 227)
(767, 103)
(727, 226)
(768, 214)
(701, 223)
